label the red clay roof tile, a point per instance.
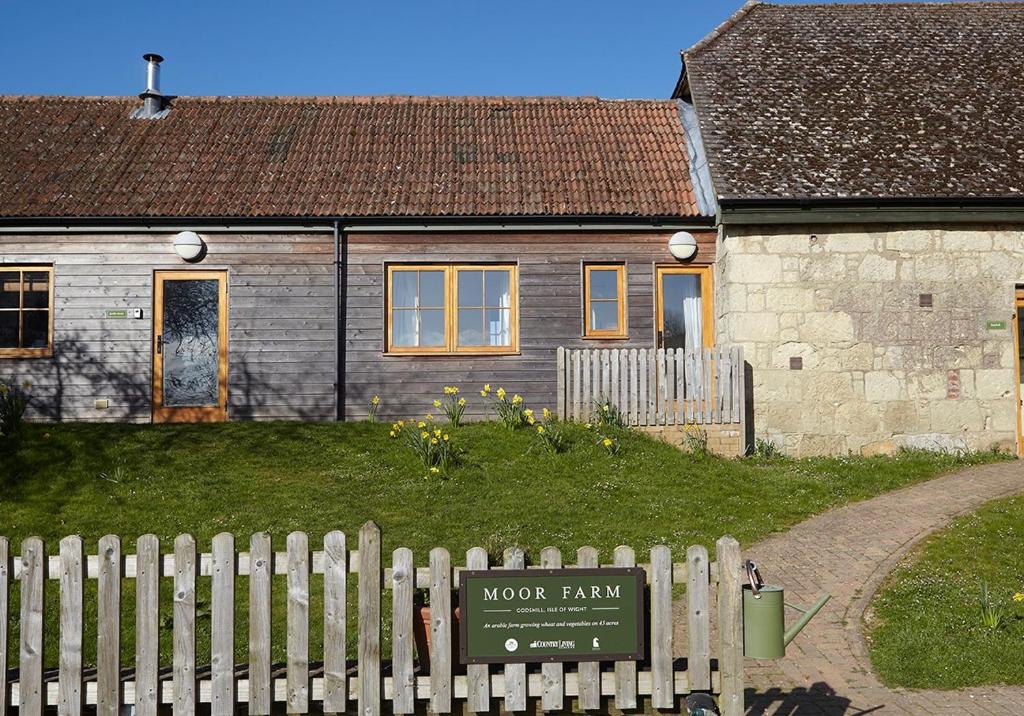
(344, 157)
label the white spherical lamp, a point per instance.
(682, 245)
(188, 245)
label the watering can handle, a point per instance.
(754, 577)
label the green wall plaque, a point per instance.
(117, 313)
(995, 325)
(536, 615)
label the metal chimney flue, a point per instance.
(154, 104)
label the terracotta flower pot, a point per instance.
(421, 633)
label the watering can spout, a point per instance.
(807, 615)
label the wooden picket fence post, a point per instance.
(326, 681)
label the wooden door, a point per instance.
(190, 347)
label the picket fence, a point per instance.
(336, 683)
(654, 386)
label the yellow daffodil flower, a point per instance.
(433, 441)
(1018, 597)
(421, 425)
(446, 438)
(462, 401)
(547, 413)
(531, 420)
(424, 434)
(501, 393)
(607, 442)
(517, 399)
(375, 400)
(528, 412)
(435, 470)
(437, 433)
(437, 403)
(540, 429)
(392, 433)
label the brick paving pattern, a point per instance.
(848, 552)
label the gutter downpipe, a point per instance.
(338, 400)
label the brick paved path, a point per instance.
(848, 552)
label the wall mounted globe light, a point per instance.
(682, 245)
(189, 246)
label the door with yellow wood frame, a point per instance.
(190, 347)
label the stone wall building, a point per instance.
(867, 162)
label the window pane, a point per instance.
(682, 311)
(604, 316)
(471, 327)
(191, 361)
(471, 288)
(10, 287)
(36, 329)
(498, 294)
(403, 328)
(432, 328)
(403, 289)
(499, 328)
(432, 289)
(37, 289)
(8, 329)
(604, 283)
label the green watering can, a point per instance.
(764, 623)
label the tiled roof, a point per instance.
(344, 157)
(900, 101)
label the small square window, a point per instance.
(604, 299)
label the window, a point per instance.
(26, 319)
(452, 309)
(604, 296)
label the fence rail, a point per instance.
(334, 683)
(650, 387)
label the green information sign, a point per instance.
(117, 313)
(536, 615)
(995, 325)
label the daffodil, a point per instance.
(1018, 597)
(528, 412)
(501, 393)
(540, 429)
(588, 426)
(421, 425)
(424, 435)
(446, 438)
(531, 420)
(375, 400)
(607, 442)
(547, 413)
(435, 470)
(483, 393)
(433, 441)
(392, 433)
(462, 401)
(517, 399)
(437, 433)
(605, 407)
(487, 387)
(437, 403)
(430, 416)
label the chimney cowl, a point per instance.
(154, 104)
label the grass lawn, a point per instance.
(927, 630)
(246, 477)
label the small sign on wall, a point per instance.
(117, 313)
(995, 325)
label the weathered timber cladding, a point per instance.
(281, 317)
(280, 323)
(550, 312)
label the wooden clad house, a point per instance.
(344, 248)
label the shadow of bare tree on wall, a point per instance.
(84, 370)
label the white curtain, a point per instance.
(693, 314)
(693, 333)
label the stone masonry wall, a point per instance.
(879, 370)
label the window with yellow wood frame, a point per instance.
(26, 311)
(452, 308)
(604, 300)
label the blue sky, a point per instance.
(625, 48)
